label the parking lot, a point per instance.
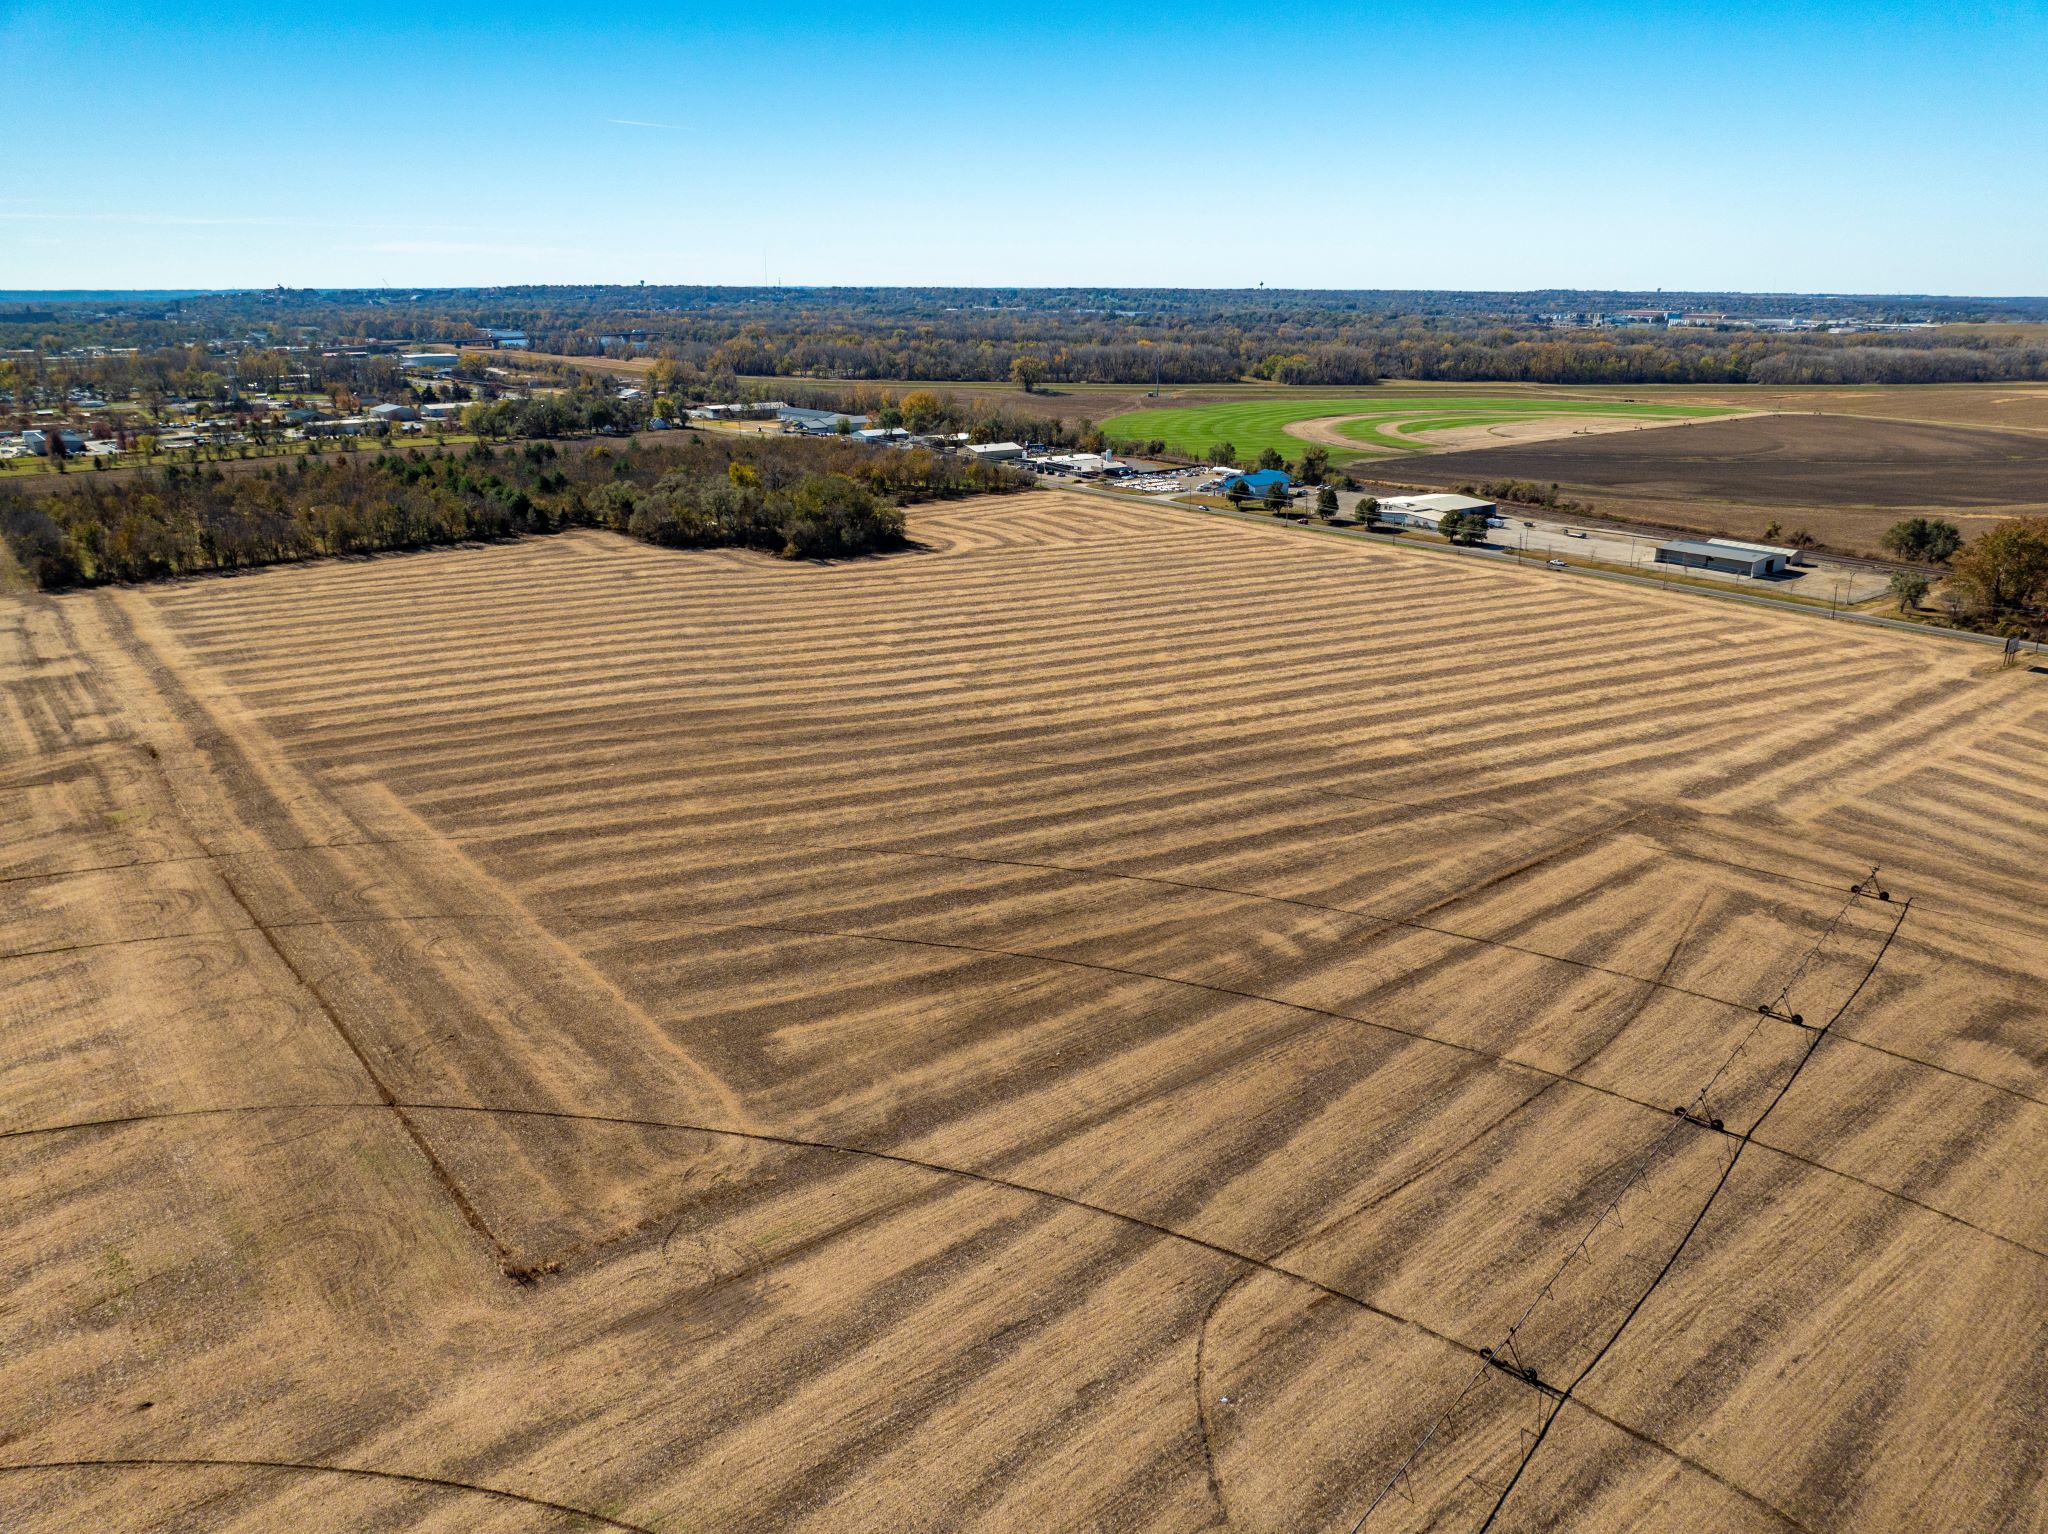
(1823, 579)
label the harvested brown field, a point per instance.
(2014, 406)
(1845, 479)
(1092, 1025)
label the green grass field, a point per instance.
(1382, 424)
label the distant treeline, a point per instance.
(799, 499)
(1131, 336)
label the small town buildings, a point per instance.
(393, 413)
(742, 410)
(996, 452)
(817, 423)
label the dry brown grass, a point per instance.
(1088, 1026)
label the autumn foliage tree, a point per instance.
(922, 410)
(2005, 571)
(796, 498)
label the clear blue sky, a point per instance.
(1824, 147)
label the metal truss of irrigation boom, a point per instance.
(1505, 1358)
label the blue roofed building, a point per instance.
(1257, 482)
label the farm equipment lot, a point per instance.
(1093, 1023)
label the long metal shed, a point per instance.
(1697, 554)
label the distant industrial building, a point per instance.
(428, 362)
(1257, 483)
(1430, 510)
(36, 440)
(996, 452)
(1792, 556)
(817, 423)
(393, 413)
(746, 410)
(1730, 559)
(1080, 465)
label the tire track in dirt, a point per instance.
(294, 1467)
(1247, 1260)
(1168, 752)
(1742, 1143)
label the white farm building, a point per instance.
(1430, 510)
(1791, 556)
(1727, 558)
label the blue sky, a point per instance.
(1825, 147)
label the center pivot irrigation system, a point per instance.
(1505, 1358)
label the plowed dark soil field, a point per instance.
(1845, 479)
(1117, 1020)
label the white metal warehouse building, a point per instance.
(1728, 558)
(1792, 556)
(1430, 510)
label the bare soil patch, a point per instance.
(1091, 1025)
(1845, 479)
